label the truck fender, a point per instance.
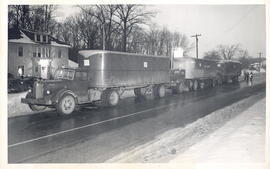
(63, 92)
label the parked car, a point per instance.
(20, 84)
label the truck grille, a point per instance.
(38, 90)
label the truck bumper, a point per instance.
(36, 101)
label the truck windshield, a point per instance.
(67, 74)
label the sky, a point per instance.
(217, 24)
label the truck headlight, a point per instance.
(48, 92)
(29, 90)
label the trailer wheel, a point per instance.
(195, 85)
(34, 107)
(66, 104)
(110, 98)
(139, 92)
(159, 91)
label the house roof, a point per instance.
(26, 36)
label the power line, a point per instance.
(233, 26)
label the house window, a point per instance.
(48, 52)
(59, 53)
(39, 52)
(34, 54)
(43, 52)
(38, 38)
(20, 52)
(44, 38)
(36, 68)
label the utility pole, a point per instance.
(260, 56)
(196, 36)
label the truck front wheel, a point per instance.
(66, 104)
(32, 106)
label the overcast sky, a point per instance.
(218, 24)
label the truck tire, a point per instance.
(179, 88)
(34, 107)
(214, 83)
(159, 91)
(219, 80)
(139, 92)
(195, 85)
(110, 98)
(66, 104)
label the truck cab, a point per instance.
(68, 88)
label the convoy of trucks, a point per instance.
(103, 76)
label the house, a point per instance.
(35, 53)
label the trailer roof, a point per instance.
(227, 61)
(221, 61)
(88, 53)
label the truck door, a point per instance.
(80, 86)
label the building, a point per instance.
(35, 53)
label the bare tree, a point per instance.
(104, 14)
(33, 17)
(244, 57)
(19, 16)
(228, 51)
(128, 16)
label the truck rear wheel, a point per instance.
(159, 91)
(110, 98)
(66, 104)
(179, 88)
(219, 80)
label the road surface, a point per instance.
(97, 134)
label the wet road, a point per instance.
(31, 137)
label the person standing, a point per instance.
(250, 77)
(246, 74)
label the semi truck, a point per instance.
(103, 76)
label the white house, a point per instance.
(35, 53)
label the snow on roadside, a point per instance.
(166, 146)
(15, 107)
(241, 140)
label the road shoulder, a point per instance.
(172, 144)
(241, 140)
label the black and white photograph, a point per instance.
(135, 83)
